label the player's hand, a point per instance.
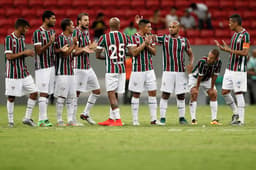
(148, 40)
(64, 48)
(225, 46)
(88, 50)
(29, 53)
(75, 42)
(138, 18)
(93, 45)
(189, 68)
(52, 38)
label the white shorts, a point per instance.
(45, 79)
(174, 82)
(115, 82)
(20, 87)
(65, 86)
(204, 85)
(235, 80)
(86, 80)
(140, 81)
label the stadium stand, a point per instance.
(126, 10)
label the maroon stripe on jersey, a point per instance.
(45, 55)
(236, 57)
(138, 57)
(117, 42)
(232, 47)
(175, 54)
(181, 59)
(109, 53)
(65, 60)
(21, 61)
(167, 55)
(50, 49)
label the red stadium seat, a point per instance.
(6, 3)
(206, 33)
(202, 41)
(249, 15)
(146, 13)
(153, 4)
(35, 23)
(226, 4)
(94, 4)
(35, 3)
(162, 32)
(39, 12)
(232, 12)
(219, 14)
(6, 23)
(252, 4)
(167, 4)
(182, 4)
(193, 33)
(241, 4)
(64, 3)
(123, 4)
(50, 3)
(81, 4)
(13, 12)
(20, 3)
(109, 4)
(60, 13)
(2, 12)
(136, 4)
(220, 33)
(212, 4)
(28, 13)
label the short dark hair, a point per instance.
(80, 16)
(143, 22)
(20, 22)
(47, 14)
(215, 52)
(65, 23)
(237, 18)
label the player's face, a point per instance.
(84, 22)
(24, 30)
(232, 24)
(51, 21)
(147, 28)
(174, 29)
(71, 27)
(211, 58)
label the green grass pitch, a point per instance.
(170, 147)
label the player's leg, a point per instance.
(135, 103)
(163, 107)
(240, 107)
(59, 110)
(193, 105)
(152, 103)
(112, 96)
(10, 110)
(181, 108)
(212, 93)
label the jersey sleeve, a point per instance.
(246, 40)
(187, 45)
(8, 45)
(37, 38)
(218, 68)
(101, 42)
(160, 39)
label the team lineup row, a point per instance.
(63, 69)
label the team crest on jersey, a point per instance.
(13, 87)
(239, 38)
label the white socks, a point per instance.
(152, 103)
(90, 103)
(75, 99)
(135, 108)
(163, 107)
(111, 114)
(214, 109)
(70, 109)
(230, 101)
(59, 108)
(240, 106)
(30, 105)
(42, 102)
(181, 107)
(116, 113)
(192, 107)
(10, 109)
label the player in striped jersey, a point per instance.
(86, 79)
(204, 75)
(174, 79)
(114, 45)
(18, 81)
(65, 86)
(143, 75)
(235, 77)
(43, 39)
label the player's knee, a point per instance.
(97, 92)
(225, 92)
(152, 93)
(181, 96)
(136, 95)
(11, 98)
(33, 96)
(165, 95)
(44, 95)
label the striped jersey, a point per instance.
(206, 70)
(114, 44)
(238, 42)
(15, 68)
(173, 52)
(45, 59)
(82, 61)
(142, 62)
(64, 64)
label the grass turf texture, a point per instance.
(145, 147)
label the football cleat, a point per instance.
(44, 123)
(108, 122)
(118, 122)
(11, 124)
(154, 122)
(194, 122)
(61, 124)
(183, 121)
(215, 122)
(29, 122)
(136, 123)
(162, 121)
(237, 123)
(88, 119)
(235, 118)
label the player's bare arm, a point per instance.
(189, 67)
(25, 53)
(99, 54)
(226, 48)
(40, 49)
(136, 50)
(214, 78)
